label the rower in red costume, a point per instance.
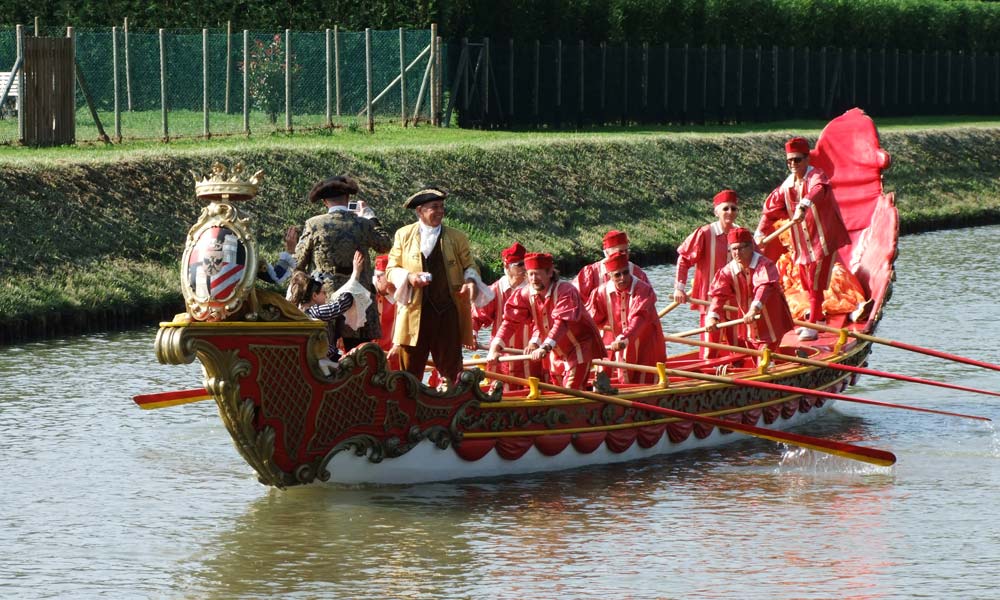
(806, 198)
(563, 332)
(706, 249)
(751, 283)
(594, 274)
(515, 278)
(627, 306)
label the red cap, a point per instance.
(537, 260)
(738, 235)
(381, 262)
(616, 262)
(514, 254)
(797, 145)
(725, 196)
(615, 238)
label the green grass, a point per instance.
(94, 228)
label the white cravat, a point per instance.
(428, 238)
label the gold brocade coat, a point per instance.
(327, 246)
(406, 255)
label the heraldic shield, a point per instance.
(219, 266)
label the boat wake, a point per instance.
(805, 461)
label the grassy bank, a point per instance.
(95, 234)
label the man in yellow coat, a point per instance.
(436, 279)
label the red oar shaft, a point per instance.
(165, 399)
(813, 392)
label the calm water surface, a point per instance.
(100, 498)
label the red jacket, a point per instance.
(707, 251)
(822, 231)
(761, 284)
(559, 315)
(632, 315)
(595, 274)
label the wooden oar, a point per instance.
(869, 455)
(165, 399)
(668, 308)
(828, 364)
(722, 325)
(901, 345)
(776, 233)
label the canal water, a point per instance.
(101, 499)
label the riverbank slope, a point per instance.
(93, 243)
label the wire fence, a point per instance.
(166, 84)
(556, 84)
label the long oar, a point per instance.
(884, 341)
(869, 455)
(165, 399)
(776, 233)
(722, 325)
(829, 364)
(668, 308)
(779, 387)
(901, 345)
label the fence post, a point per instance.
(128, 72)
(229, 63)
(37, 28)
(534, 100)
(882, 78)
(625, 84)
(558, 78)
(402, 77)
(370, 124)
(822, 76)
(486, 77)
(114, 79)
(854, 76)
(722, 77)
(895, 79)
(758, 59)
(510, 79)
(336, 65)
(868, 77)
(20, 83)
(685, 73)
(580, 70)
(246, 83)
(328, 76)
(163, 83)
(434, 75)
(704, 80)
(791, 78)
(465, 79)
(645, 75)
(805, 75)
(204, 82)
(604, 75)
(666, 76)
(288, 80)
(774, 67)
(739, 79)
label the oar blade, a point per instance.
(165, 399)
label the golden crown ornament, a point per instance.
(226, 184)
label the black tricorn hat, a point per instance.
(425, 196)
(341, 185)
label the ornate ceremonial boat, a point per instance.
(295, 423)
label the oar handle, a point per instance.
(722, 325)
(777, 232)
(668, 308)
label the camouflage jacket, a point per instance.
(326, 248)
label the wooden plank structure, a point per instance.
(48, 96)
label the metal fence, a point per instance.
(556, 84)
(166, 84)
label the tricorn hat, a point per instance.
(333, 187)
(425, 196)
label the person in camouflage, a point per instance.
(327, 245)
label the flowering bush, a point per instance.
(267, 76)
